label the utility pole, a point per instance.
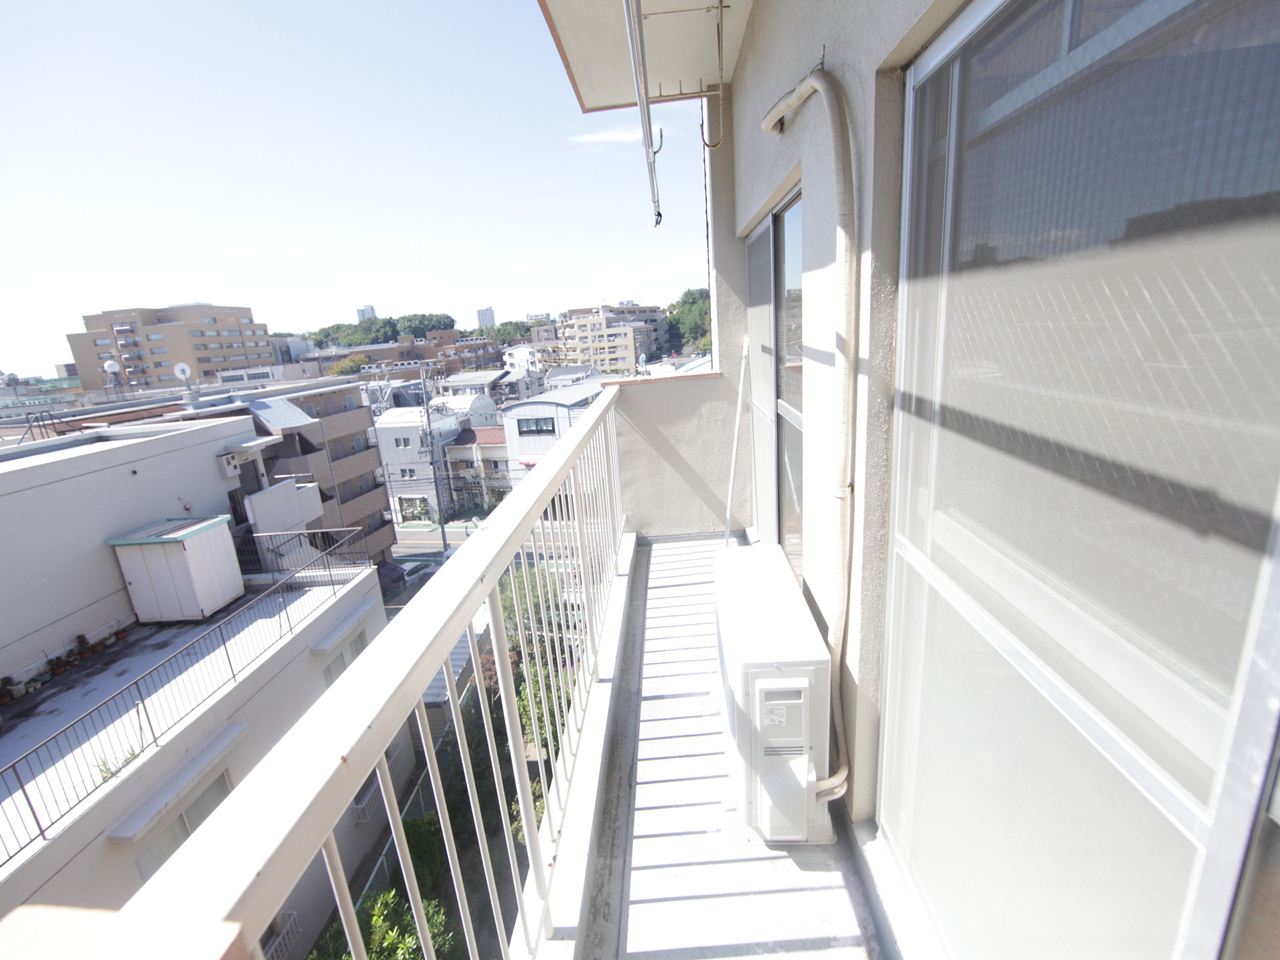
(431, 454)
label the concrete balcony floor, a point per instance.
(690, 885)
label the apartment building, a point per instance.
(411, 443)
(1007, 275)
(479, 475)
(534, 426)
(130, 708)
(148, 343)
(500, 386)
(485, 319)
(611, 338)
(326, 434)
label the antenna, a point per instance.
(111, 366)
(182, 371)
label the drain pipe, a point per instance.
(821, 82)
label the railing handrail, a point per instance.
(352, 534)
(323, 760)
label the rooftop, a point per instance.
(484, 436)
(574, 395)
(400, 417)
(475, 378)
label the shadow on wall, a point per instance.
(675, 441)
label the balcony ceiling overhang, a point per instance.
(680, 46)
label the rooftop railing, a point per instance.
(52, 779)
(530, 591)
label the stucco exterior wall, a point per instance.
(69, 506)
(80, 865)
(675, 439)
(863, 46)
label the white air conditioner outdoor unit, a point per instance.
(229, 464)
(776, 672)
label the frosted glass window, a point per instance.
(1087, 450)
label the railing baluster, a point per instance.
(555, 599)
(515, 744)
(142, 703)
(496, 764)
(482, 839)
(388, 786)
(543, 572)
(575, 588)
(564, 638)
(615, 485)
(446, 827)
(342, 893)
(23, 787)
(533, 688)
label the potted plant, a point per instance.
(57, 665)
(15, 689)
(84, 648)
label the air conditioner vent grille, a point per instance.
(792, 751)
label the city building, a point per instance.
(367, 312)
(129, 708)
(411, 442)
(558, 377)
(288, 350)
(534, 426)
(479, 476)
(611, 338)
(1006, 275)
(500, 386)
(536, 319)
(521, 357)
(484, 318)
(148, 344)
(438, 354)
(325, 433)
(546, 344)
(65, 370)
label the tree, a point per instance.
(420, 324)
(389, 932)
(348, 364)
(690, 316)
(509, 332)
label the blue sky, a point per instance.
(305, 158)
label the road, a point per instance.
(425, 538)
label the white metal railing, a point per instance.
(533, 581)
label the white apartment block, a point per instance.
(411, 443)
(485, 319)
(135, 730)
(534, 426)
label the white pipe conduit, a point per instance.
(821, 82)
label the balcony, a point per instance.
(356, 509)
(354, 465)
(610, 638)
(346, 422)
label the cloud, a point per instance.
(627, 133)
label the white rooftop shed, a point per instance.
(183, 569)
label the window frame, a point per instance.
(1222, 832)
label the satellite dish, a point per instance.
(111, 366)
(182, 371)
